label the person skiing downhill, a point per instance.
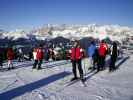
(114, 55)
(76, 58)
(91, 52)
(10, 56)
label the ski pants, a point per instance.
(74, 63)
(112, 63)
(101, 62)
(37, 62)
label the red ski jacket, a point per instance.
(76, 53)
(102, 49)
(39, 55)
(10, 54)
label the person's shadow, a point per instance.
(10, 94)
(16, 66)
(122, 61)
(93, 72)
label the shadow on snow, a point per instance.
(8, 95)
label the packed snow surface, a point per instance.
(51, 83)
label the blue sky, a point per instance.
(33, 13)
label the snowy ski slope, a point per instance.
(51, 83)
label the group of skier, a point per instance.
(10, 54)
(96, 57)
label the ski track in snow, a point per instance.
(104, 85)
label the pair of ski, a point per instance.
(90, 73)
(83, 82)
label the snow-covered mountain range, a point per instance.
(114, 32)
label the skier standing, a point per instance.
(102, 50)
(39, 58)
(76, 58)
(91, 52)
(21, 57)
(95, 58)
(34, 57)
(51, 54)
(46, 53)
(10, 56)
(114, 55)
